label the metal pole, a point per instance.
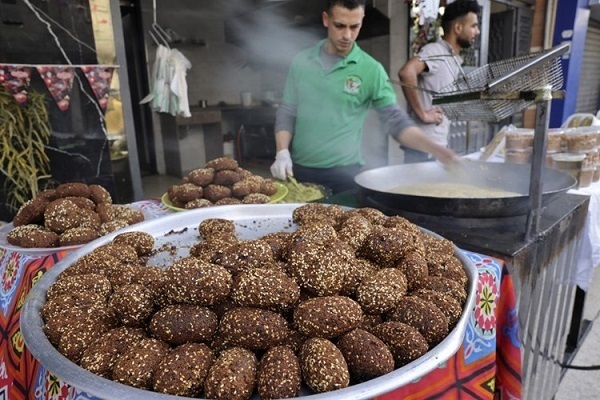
(542, 119)
(134, 164)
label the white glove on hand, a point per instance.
(282, 167)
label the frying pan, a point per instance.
(378, 183)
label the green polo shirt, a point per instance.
(331, 105)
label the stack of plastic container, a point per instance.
(582, 157)
(519, 145)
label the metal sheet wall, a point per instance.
(588, 97)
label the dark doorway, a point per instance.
(138, 85)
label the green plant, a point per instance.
(24, 133)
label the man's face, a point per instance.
(468, 31)
(343, 26)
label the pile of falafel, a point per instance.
(72, 214)
(222, 181)
(349, 296)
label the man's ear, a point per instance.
(457, 26)
(325, 18)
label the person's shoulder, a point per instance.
(434, 48)
(360, 56)
(306, 54)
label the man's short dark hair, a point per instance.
(458, 9)
(349, 4)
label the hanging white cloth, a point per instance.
(179, 86)
(169, 91)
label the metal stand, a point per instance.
(542, 119)
(498, 90)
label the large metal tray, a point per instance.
(181, 231)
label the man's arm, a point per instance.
(398, 124)
(408, 75)
(284, 126)
(285, 119)
(415, 138)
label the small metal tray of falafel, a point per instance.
(344, 314)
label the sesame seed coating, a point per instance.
(183, 371)
(142, 242)
(227, 201)
(91, 263)
(30, 212)
(446, 303)
(222, 163)
(128, 214)
(256, 198)
(111, 226)
(180, 323)
(79, 283)
(381, 291)
(193, 281)
(76, 338)
(82, 202)
(70, 301)
(356, 271)
(414, 266)
(101, 355)
(310, 208)
(125, 253)
(62, 214)
(445, 285)
(253, 328)
(184, 193)
(32, 236)
(321, 268)
(354, 231)
(212, 227)
(136, 367)
(77, 235)
(323, 366)
(232, 376)
(133, 304)
(98, 194)
(438, 245)
(366, 355)
(404, 341)
(385, 246)
(450, 268)
(265, 288)
(327, 317)
(245, 255)
(201, 176)
(73, 189)
(429, 320)
(279, 375)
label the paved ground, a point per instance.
(582, 384)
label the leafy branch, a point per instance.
(24, 133)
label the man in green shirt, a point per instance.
(328, 92)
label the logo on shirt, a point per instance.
(352, 84)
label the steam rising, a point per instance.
(270, 32)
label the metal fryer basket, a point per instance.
(502, 88)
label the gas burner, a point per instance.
(434, 222)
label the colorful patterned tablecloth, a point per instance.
(487, 364)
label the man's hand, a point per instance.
(282, 167)
(446, 156)
(433, 116)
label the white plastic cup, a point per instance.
(246, 99)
